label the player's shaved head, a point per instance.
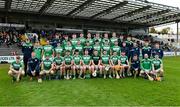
(33, 54)
(145, 55)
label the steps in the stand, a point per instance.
(4, 51)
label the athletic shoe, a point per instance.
(49, 77)
(39, 80)
(17, 79)
(64, 77)
(30, 78)
(117, 77)
(13, 79)
(67, 78)
(57, 77)
(110, 76)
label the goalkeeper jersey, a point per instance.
(146, 64)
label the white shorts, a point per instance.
(13, 73)
(77, 66)
(45, 72)
(57, 67)
(87, 66)
(96, 67)
(125, 65)
(145, 71)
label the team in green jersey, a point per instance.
(73, 57)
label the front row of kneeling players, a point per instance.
(87, 66)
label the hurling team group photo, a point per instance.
(79, 56)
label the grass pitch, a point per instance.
(94, 92)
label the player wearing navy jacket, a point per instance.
(135, 66)
(146, 50)
(158, 51)
(34, 67)
(125, 49)
(27, 49)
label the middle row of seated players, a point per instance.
(86, 66)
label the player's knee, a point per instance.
(100, 67)
(103, 67)
(73, 68)
(162, 71)
(41, 73)
(10, 72)
(62, 68)
(22, 72)
(52, 72)
(141, 71)
(84, 67)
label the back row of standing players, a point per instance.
(85, 57)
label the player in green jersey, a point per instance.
(97, 37)
(48, 50)
(66, 39)
(16, 70)
(86, 62)
(115, 65)
(146, 68)
(157, 67)
(116, 48)
(68, 62)
(97, 46)
(69, 47)
(58, 50)
(105, 62)
(47, 68)
(113, 39)
(74, 40)
(58, 66)
(82, 39)
(106, 47)
(78, 47)
(38, 50)
(76, 64)
(125, 64)
(89, 39)
(96, 64)
(105, 39)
